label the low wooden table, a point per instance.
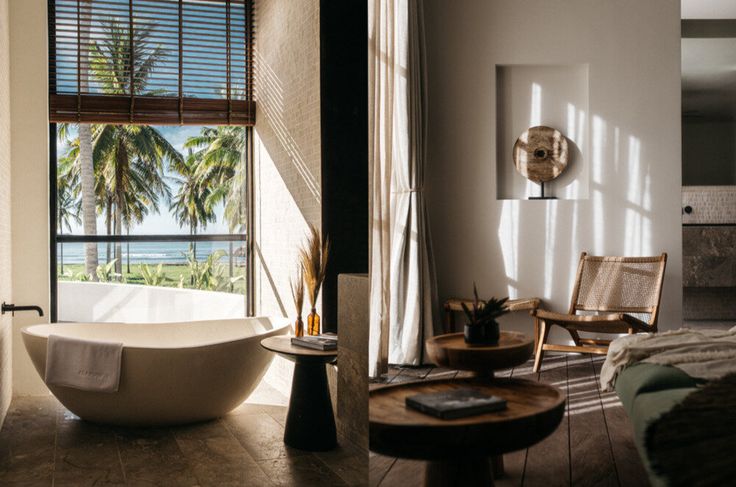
(458, 450)
(451, 351)
(310, 423)
(455, 305)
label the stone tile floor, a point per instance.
(42, 443)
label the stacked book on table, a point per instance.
(325, 342)
(455, 404)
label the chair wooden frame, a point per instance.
(611, 319)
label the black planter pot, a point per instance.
(485, 334)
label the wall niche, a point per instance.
(552, 95)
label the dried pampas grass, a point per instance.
(313, 257)
(297, 291)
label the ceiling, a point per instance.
(709, 64)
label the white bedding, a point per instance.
(702, 354)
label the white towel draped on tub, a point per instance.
(83, 364)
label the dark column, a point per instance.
(344, 115)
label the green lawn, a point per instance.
(173, 273)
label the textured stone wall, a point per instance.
(709, 252)
(6, 345)
(287, 149)
(710, 204)
(352, 402)
(709, 272)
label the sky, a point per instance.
(163, 223)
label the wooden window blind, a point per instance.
(187, 62)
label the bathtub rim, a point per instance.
(285, 329)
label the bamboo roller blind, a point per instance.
(186, 62)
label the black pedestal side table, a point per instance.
(310, 423)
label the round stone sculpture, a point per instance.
(540, 154)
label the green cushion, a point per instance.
(643, 377)
(647, 391)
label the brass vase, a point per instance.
(299, 327)
(313, 322)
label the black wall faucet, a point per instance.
(13, 308)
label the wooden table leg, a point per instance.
(310, 423)
(497, 466)
(468, 472)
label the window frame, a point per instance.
(55, 238)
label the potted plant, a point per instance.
(482, 327)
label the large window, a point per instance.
(151, 104)
(170, 210)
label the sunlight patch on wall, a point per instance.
(596, 170)
(508, 235)
(550, 250)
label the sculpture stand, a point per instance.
(542, 196)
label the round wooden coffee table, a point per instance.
(458, 450)
(451, 351)
(310, 422)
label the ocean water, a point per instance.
(153, 252)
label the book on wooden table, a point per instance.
(324, 342)
(457, 403)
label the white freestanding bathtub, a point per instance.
(172, 373)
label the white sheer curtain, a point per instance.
(403, 292)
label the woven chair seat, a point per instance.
(602, 323)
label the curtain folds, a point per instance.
(403, 289)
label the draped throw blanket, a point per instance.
(403, 290)
(702, 354)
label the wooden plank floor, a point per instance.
(593, 446)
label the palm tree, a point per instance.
(220, 152)
(80, 149)
(115, 160)
(130, 157)
(191, 205)
(86, 163)
(68, 202)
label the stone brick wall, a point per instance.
(6, 386)
(287, 148)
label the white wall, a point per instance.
(102, 302)
(708, 152)
(30, 176)
(6, 293)
(531, 248)
(287, 149)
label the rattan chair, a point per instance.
(608, 292)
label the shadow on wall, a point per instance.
(275, 135)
